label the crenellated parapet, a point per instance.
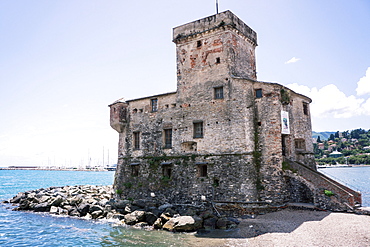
(222, 21)
(118, 115)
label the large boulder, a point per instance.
(183, 224)
(96, 214)
(56, 201)
(134, 217)
(158, 224)
(54, 210)
(42, 207)
(150, 218)
(17, 198)
(95, 208)
(120, 204)
(83, 208)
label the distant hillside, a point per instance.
(323, 135)
(353, 147)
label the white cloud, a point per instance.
(363, 85)
(329, 101)
(292, 60)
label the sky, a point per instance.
(63, 62)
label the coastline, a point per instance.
(285, 227)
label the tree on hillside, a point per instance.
(357, 132)
(336, 135)
(345, 134)
(318, 139)
(331, 137)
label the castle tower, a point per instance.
(213, 49)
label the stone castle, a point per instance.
(223, 136)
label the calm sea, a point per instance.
(40, 229)
(357, 178)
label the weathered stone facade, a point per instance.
(221, 136)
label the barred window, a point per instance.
(198, 129)
(154, 104)
(136, 140)
(134, 170)
(168, 138)
(219, 92)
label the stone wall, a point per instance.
(228, 177)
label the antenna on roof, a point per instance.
(217, 6)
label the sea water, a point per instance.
(356, 177)
(22, 228)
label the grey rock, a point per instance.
(42, 207)
(158, 224)
(164, 206)
(18, 197)
(54, 210)
(95, 208)
(150, 218)
(139, 203)
(170, 212)
(183, 224)
(56, 201)
(115, 216)
(83, 208)
(165, 218)
(96, 214)
(134, 217)
(141, 225)
(121, 204)
(210, 223)
(74, 212)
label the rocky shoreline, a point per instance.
(98, 203)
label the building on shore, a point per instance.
(223, 136)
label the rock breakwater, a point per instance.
(98, 202)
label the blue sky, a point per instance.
(63, 62)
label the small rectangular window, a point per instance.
(199, 43)
(258, 93)
(202, 170)
(168, 138)
(219, 92)
(300, 144)
(167, 171)
(154, 104)
(305, 108)
(136, 140)
(134, 170)
(198, 129)
(218, 60)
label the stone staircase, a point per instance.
(347, 197)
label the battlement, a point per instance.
(222, 20)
